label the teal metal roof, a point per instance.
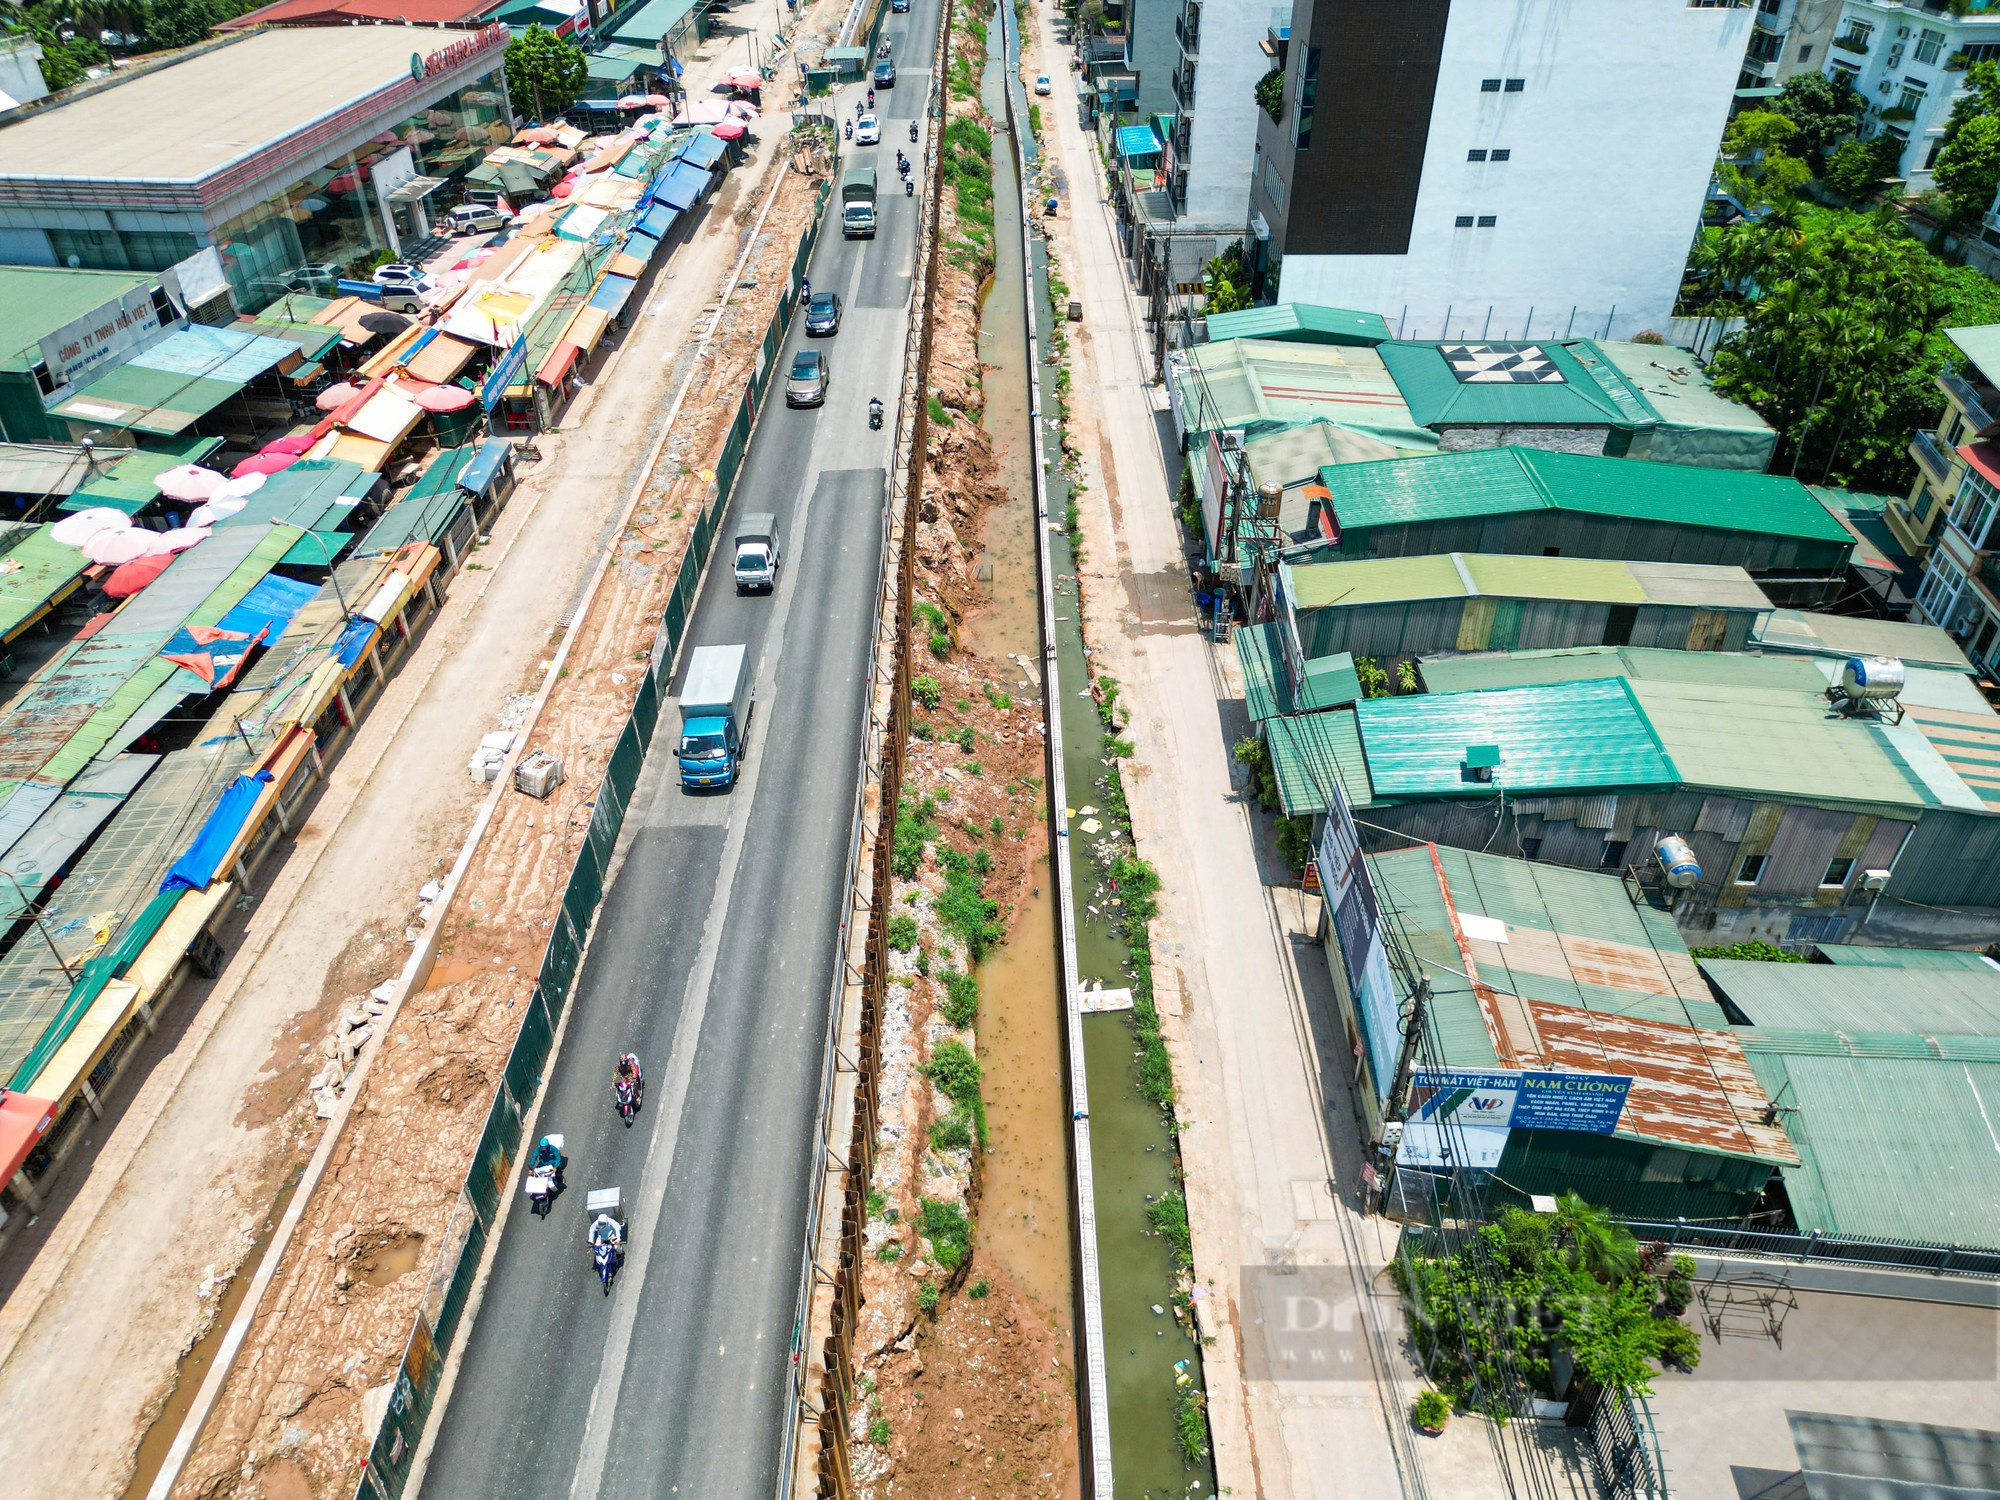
(125, 482)
(1505, 481)
(1566, 735)
(1854, 955)
(1840, 997)
(1266, 385)
(39, 571)
(1313, 753)
(1257, 648)
(1892, 1146)
(1564, 392)
(1330, 681)
(1297, 322)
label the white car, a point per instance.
(1042, 85)
(867, 131)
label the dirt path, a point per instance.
(108, 1290)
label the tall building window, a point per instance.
(1515, 85)
(1475, 155)
(1489, 85)
(1913, 95)
(1503, 154)
(1302, 132)
(1929, 44)
(1943, 583)
(1973, 511)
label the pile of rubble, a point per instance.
(357, 1023)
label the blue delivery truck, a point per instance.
(716, 703)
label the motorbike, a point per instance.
(850, 130)
(875, 413)
(604, 1210)
(544, 1182)
(871, 98)
(913, 132)
(909, 187)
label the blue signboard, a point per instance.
(1509, 1098)
(505, 368)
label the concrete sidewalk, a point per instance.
(1268, 1136)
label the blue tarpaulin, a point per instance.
(659, 219)
(353, 642)
(704, 150)
(203, 858)
(611, 294)
(640, 246)
(684, 186)
(1137, 140)
(269, 606)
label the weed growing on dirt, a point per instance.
(967, 148)
(979, 1288)
(1169, 1217)
(891, 1251)
(876, 1203)
(1191, 1425)
(963, 907)
(878, 1432)
(955, 1072)
(939, 413)
(916, 825)
(949, 1232)
(961, 998)
(927, 1295)
(926, 691)
(902, 932)
(952, 1133)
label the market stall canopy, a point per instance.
(684, 186)
(127, 479)
(729, 130)
(177, 382)
(439, 358)
(703, 149)
(23, 1123)
(37, 574)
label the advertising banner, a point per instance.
(1358, 930)
(1460, 1116)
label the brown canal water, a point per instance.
(192, 1368)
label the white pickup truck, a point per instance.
(757, 553)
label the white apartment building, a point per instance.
(1908, 60)
(1497, 169)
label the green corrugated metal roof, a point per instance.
(308, 495)
(1256, 646)
(35, 301)
(1330, 681)
(1898, 1148)
(1855, 956)
(34, 573)
(1837, 997)
(126, 482)
(1568, 735)
(1776, 674)
(1262, 385)
(1311, 754)
(1300, 322)
(1505, 481)
(1576, 397)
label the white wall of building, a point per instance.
(1224, 139)
(1612, 139)
(20, 71)
(1904, 67)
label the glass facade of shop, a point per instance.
(328, 225)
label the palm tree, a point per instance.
(1593, 1241)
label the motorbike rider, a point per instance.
(874, 411)
(871, 98)
(850, 130)
(628, 1074)
(909, 187)
(913, 132)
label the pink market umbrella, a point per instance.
(74, 531)
(187, 482)
(263, 463)
(743, 78)
(220, 508)
(295, 444)
(742, 109)
(129, 578)
(178, 540)
(114, 546)
(702, 112)
(729, 130)
(442, 398)
(336, 395)
(240, 487)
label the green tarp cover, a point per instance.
(1295, 322)
(169, 387)
(314, 494)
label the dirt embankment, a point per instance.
(965, 1388)
(296, 1416)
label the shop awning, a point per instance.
(313, 548)
(639, 247)
(23, 1123)
(612, 293)
(169, 387)
(659, 219)
(586, 328)
(557, 365)
(625, 265)
(1137, 140)
(416, 189)
(486, 464)
(684, 186)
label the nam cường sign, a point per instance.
(1459, 1117)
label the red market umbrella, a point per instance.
(564, 188)
(441, 398)
(729, 130)
(187, 482)
(263, 463)
(295, 444)
(23, 1122)
(133, 576)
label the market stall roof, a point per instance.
(637, 250)
(704, 149)
(684, 186)
(345, 314)
(1137, 140)
(45, 573)
(126, 481)
(612, 293)
(478, 475)
(439, 358)
(43, 468)
(36, 853)
(659, 219)
(425, 512)
(23, 1122)
(313, 339)
(314, 494)
(181, 379)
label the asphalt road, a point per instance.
(713, 959)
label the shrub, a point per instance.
(1677, 1344)
(955, 1071)
(951, 1134)
(949, 1232)
(961, 998)
(926, 691)
(878, 1432)
(927, 1295)
(891, 1251)
(902, 932)
(916, 824)
(1433, 1410)
(1169, 1217)
(1677, 1286)
(1757, 949)
(1191, 1425)
(979, 1288)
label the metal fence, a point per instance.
(1623, 1450)
(492, 1168)
(1788, 1245)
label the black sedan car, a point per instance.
(885, 74)
(823, 314)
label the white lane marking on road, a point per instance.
(631, 1283)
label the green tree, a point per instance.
(1271, 93)
(1857, 169)
(1968, 168)
(545, 74)
(1592, 1241)
(179, 23)
(1826, 111)
(1228, 279)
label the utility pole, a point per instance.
(1406, 1061)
